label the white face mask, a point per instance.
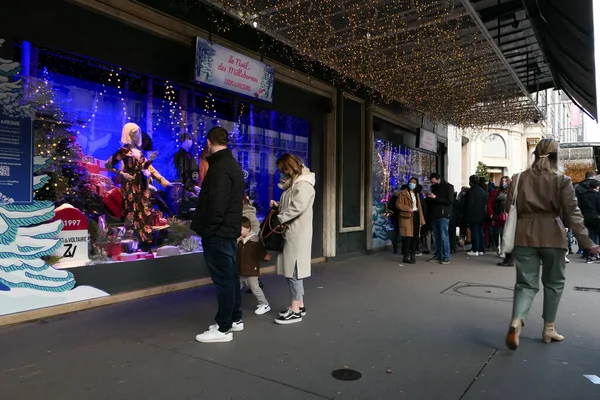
(186, 145)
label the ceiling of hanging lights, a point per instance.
(428, 55)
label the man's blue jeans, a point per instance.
(219, 255)
(478, 238)
(442, 241)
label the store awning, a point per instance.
(566, 34)
(469, 63)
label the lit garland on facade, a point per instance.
(428, 55)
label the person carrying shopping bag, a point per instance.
(543, 198)
(296, 213)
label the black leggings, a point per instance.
(410, 244)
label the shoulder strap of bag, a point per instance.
(514, 199)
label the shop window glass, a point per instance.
(81, 108)
(393, 165)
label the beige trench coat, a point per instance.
(296, 211)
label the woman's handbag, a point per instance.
(510, 227)
(500, 219)
(272, 232)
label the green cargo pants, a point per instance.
(527, 262)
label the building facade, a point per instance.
(82, 89)
(507, 150)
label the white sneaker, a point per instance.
(235, 327)
(473, 254)
(214, 336)
(262, 309)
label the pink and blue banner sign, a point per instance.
(226, 69)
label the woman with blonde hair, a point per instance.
(544, 199)
(295, 212)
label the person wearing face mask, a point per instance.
(496, 213)
(295, 212)
(410, 220)
(137, 211)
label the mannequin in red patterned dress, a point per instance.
(137, 211)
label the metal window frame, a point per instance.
(361, 226)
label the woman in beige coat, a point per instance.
(410, 220)
(545, 198)
(296, 212)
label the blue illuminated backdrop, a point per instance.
(96, 100)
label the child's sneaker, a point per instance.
(474, 254)
(262, 309)
(290, 317)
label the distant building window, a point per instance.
(494, 146)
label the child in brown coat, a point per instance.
(250, 252)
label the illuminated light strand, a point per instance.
(425, 54)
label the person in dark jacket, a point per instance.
(589, 203)
(218, 221)
(250, 252)
(442, 194)
(453, 224)
(474, 214)
(393, 211)
(583, 187)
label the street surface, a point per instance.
(423, 331)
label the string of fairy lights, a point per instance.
(426, 54)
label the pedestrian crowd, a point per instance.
(549, 214)
(529, 220)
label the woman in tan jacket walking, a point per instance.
(545, 199)
(410, 220)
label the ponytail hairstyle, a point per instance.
(546, 157)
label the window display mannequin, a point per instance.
(186, 165)
(137, 213)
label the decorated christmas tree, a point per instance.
(482, 171)
(26, 280)
(11, 90)
(204, 54)
(53, 139)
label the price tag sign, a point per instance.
(75, 247)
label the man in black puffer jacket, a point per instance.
(218, 220)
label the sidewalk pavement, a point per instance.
(423, 331)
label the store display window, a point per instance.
(393, 166)
(124, 207)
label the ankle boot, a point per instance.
(550, 333)
(514, 330)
